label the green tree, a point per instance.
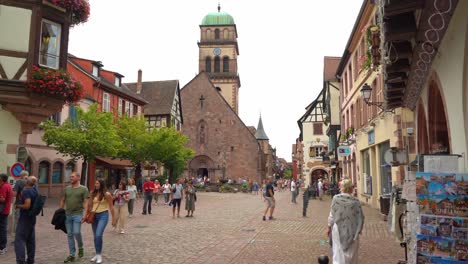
(167, 146)
(88, 135)
(287, 174)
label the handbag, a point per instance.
(92, 215)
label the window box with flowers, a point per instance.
(79, 9)
(55, 83)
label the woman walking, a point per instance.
(176, 197)
(190, 199)
(166, 192)
(132, 191)
(156, 191)
(100, 204)
(121, 198)
(345, 224)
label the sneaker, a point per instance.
(3, 251)
(80, 252)
(130, 216)
(94, 258)
(99, 259)
(69, 259)
(144, 213)
(264, 218)
(122, 232)
(271, 218)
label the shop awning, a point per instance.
(115, 163)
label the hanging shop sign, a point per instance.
(344, 151)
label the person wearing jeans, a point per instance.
(101, 203)
(75, 200)
(25, 239)
(148, 188)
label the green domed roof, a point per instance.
(217, 18)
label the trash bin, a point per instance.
(384, 204)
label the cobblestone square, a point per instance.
(226, 228)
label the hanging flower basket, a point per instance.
(78, 8)
(56, 83)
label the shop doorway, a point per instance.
(317, 174)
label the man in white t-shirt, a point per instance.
(293, 191)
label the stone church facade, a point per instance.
(225, 148)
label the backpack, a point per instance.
(38, 205)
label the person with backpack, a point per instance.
(75, 201)
(25, 241)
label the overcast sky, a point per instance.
(281, 46)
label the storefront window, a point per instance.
(57, 172)
(385, 170)
(44, 168)
(68, 171)
(27, 165)
(367, 183)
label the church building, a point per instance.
(225, 148)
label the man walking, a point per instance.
(6, 195)
(25, 230)
(270, 198)
(320, 189)
(148, 188)
(75, 200)
(293, 191)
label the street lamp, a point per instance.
(366, 92)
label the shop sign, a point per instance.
(344, 151)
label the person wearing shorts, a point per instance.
(176, 197)
(270, 199)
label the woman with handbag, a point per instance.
(100, 204)
(121, 198)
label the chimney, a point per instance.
(139, 86)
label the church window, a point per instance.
(216, 33)
(226, 33)
(202, 132)
(226, 64)
(208, 64)
(216, 64)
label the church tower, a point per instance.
(218, 51)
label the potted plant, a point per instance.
(56, 83)
(79, 9)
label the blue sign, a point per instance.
(16, 169)
(371, 137)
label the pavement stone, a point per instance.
(226, 228)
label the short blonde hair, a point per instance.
(347, 186)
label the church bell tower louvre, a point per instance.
(218, 51)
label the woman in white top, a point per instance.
(166, 192)
(132, 191)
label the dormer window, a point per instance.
(95, 70)
(117, 81)
(49, 49)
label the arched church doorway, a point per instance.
(202, 172)
(201, 165)
(317, 174)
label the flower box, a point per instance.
(55, 83)
(79, 9)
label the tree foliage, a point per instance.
(91, 134)
(94, 133)
(287, 174)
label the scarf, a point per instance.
(347, 215)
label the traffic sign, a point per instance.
(16, 169)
